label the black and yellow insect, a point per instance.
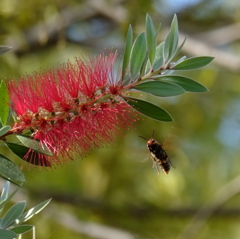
(158, 155)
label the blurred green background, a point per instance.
(114, 193)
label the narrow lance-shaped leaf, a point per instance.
(177, 50)
(147, 65)
(21, 229)
(4, 195)
(12, 214)
(127, 51)
(183, 58)
(186, 83)
(18, 149)
(5, 191)
(11, 171)
(151, 39)
(7, 234)
(36, 158)
(171, 41)
(35, 145)
(149, 109)
(8, 199)
(144, 66)
(159, 88)
(4, 130)
(193, 63)
(4, 103)
(31, 212)
(138, 54)
(159, 57)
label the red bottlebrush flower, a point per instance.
(72, 108)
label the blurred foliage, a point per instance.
(116, 185)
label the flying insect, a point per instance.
(158, 155)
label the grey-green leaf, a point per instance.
(186, 83)
(193, 63)
(4, 49)
(138, 54)
(127, 51)
(171, 41)
(35, 145)
(151, 39)
(159, 57)
(159, 88)
(149, 109)
(5, 191)
(35, 157)
(177, 50)
(4, 130)
(31, 212)
(18, 149)
(12, 214)
(11, 171)
(4, 102)
(5, 234)
(21, 229)
(7, 199)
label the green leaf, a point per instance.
(193, 63)
(11, 171)
(127, 51)
(12, 214)
(22, 229)
(186, 83)
(35, 145)
(159, 88)
(159, 57)
(138, 54)
(18, 149)
(5, 191)
(7, 199)
(4, 49)
(4, 102)
(183, 58)
(148, 67)
(33, 211)
(151, 39)
(36, 158)
(4, 195)
(178, 50)
(4, 130)
(171, 41)
(149, 109)
(144, 67)
(5, 234)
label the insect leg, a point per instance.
(155, 165)
(171, 162)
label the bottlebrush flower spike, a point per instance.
(78, 106)
(70, 109)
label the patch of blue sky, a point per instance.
(229, 130)
(174, 6)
